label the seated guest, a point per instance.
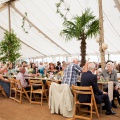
(5, 82)
(11, 70)
(21, 76)
(34, 68)
(71, 73)
(111, 74)
(58, 67)
(41, 69)
(89, 79)
(17, 67)
(24, 64)
(64, 63)
(61, 73)
(51, 72)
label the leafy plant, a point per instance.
(9, 47)
(23, 24)
(62, 9)
(81, 27)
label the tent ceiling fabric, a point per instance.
(43, 38)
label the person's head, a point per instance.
(58, 63)
(75, 60)
(24, 64)
(109, 66)
(91, 67)
(51, 66)
(63, 62)
(22, 70)
(32, 65)
(10, 66)
(41, 63)
(64, 66)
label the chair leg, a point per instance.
(94, 103)
(46, 96)
(100, 109)
(41, 99)
(26, 95)
(91, 109)
(15, 95)
(3, 93)
(20, 98)
(74, 112)
(30, 98)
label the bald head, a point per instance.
(22, 70)
(91, 67)
(75, 60)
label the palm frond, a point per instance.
(86, 25)
(93, 29)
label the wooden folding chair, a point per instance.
(3, 92)
(40, 90)
(84, 91)
(20, 91)
(12, 88)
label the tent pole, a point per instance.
(3, 6)
(102, 53)
(9, 17)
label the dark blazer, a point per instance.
(58, 68)
(89, 79)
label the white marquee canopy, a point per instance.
(43, 38)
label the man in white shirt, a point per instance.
(21, 76)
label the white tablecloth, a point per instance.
(110, 90)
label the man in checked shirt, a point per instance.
(71, 73)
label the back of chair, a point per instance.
(48, 83)
(82, 89)
(36, 83)
(85, 90)
(12, 82)
(18, 85)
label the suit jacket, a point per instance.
(89, 79)
(58, 68)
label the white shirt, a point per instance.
(21, 77)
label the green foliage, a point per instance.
(62, 9)
(81, 27)
(9, 47)
(24, 22)
(86, 24)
